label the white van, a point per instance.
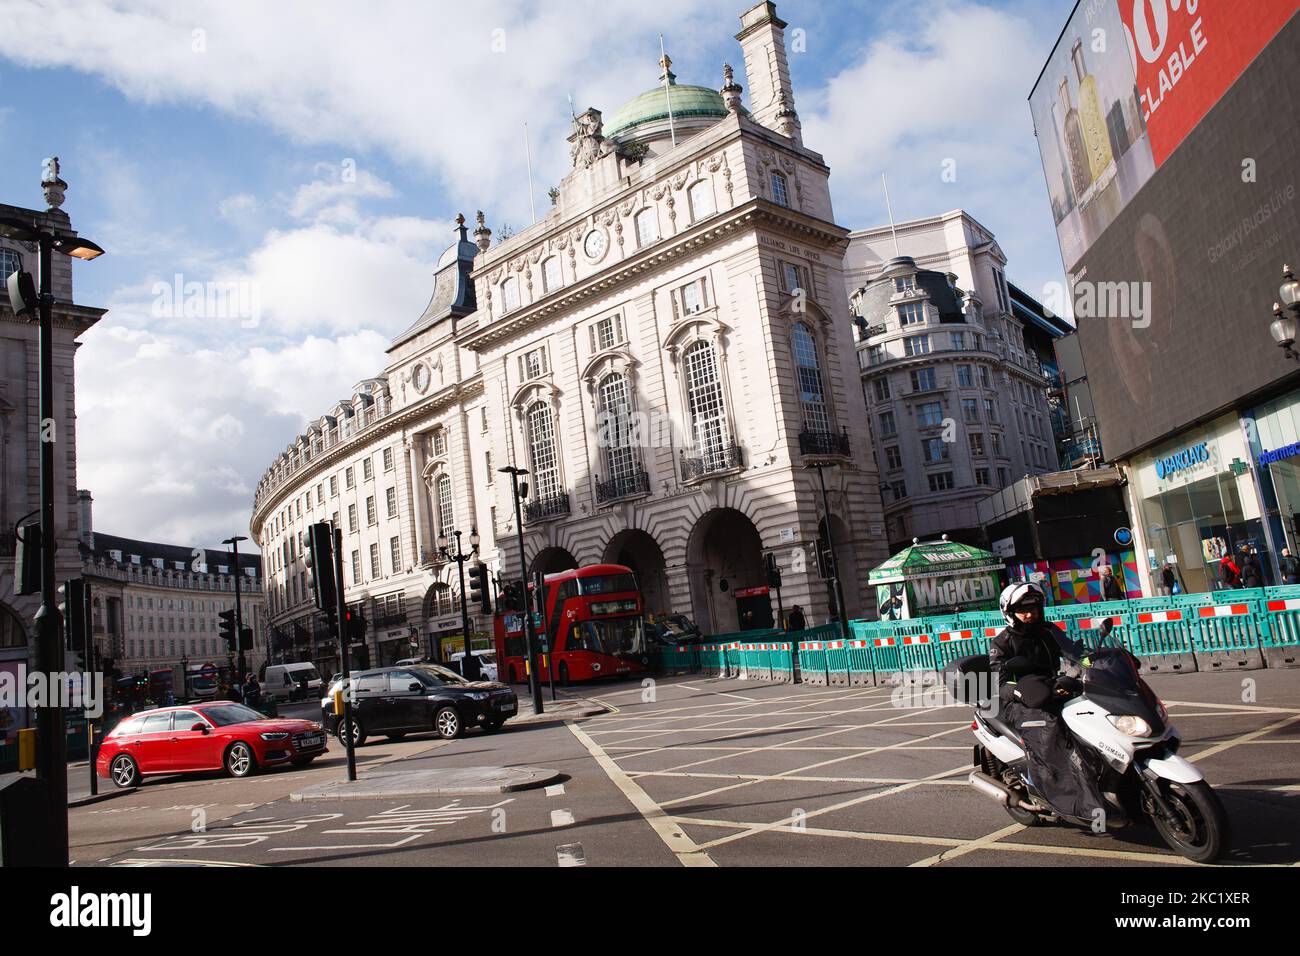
(487, 662)
(291, 681)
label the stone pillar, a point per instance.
(771, 96)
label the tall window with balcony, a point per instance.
(931, 413)
(446, 507)
(812, 397)
(707, 408)
(623, 472)
(543, 453)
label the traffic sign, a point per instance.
(208, 670)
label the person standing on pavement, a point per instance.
(1289, 567)
(1110, 589)
(797, 622)
(252, 692)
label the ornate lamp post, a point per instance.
(469, 668)
(1286, 314)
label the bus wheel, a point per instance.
(513, 678)
(564, 674)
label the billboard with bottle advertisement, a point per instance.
(1174, 228)
(1125, 84)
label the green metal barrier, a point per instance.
(1280, 626)
(812, 653)
(1229, 634)
(837, 659)
(1162, 634)
(782, 661)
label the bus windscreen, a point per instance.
(621, 638)
(607, 584)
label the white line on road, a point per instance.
(674, 837)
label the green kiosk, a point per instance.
(937, 577)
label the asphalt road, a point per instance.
(718, 773)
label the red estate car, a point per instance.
(206, 736)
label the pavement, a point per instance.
(711, 772)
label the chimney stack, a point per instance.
(85, 527)
(771, 97)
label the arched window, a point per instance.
(11, 629)
(446, 512)
(509, 295)
(812, 397)
(616, 430)
(541, 448)
(701, 200)
(551, 274)
(647, 228)
(10, 262)
(707, 407)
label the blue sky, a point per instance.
(318, 153)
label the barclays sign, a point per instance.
(1187, 458)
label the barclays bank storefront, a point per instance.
(1196, 500)
(1273, 432)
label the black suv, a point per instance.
(416, 698)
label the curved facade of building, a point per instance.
(669, 353)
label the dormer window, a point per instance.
(905, 284)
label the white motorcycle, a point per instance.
(1118, 716)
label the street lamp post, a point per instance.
(1286, 314)
(469, 667)
(837, 588)
(520, 491)
(239, 613)
(51, 747)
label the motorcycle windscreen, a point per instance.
(1112, 681)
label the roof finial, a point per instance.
(460, 225)
(51, 183)
(482, 234)
(730, 89)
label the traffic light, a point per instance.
(478, 588)
(27, 559)
(246, 639)
(773, 572)
(72, 608)
(228, 628)
(319, 559)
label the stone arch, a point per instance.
(724, 544)
(552, 559)
(637, 550)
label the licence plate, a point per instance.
(315, 740)
(505, 705)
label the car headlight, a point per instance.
(479, 696)
(275, 735)
(1130, 725)
(316, 726)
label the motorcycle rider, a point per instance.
(1025, 658)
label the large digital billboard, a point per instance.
(1173, 293)
(1125, 84)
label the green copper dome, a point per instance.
(687, 102)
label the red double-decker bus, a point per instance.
(594, 624)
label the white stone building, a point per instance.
(952, 370)
(666, 352)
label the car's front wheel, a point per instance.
(240, 761)
(447, 722)
(358, 733)
(124, 772)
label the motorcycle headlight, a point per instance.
(1130, 725)
(276, 735)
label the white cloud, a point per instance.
(445, 87)
(949, 94)
(237, 207)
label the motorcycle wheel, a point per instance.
(995, 768)
(1201, 831)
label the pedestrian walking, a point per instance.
(252, 692)
(1168, 580)
(1252, 576)
(1229, 573)
(797, 622)
(1290, 567)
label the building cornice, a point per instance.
(395, 421)
(664, 254)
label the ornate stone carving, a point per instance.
(587, 143)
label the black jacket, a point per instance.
(1251, 577)
(1033, 649)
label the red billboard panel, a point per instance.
(1186, 53)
